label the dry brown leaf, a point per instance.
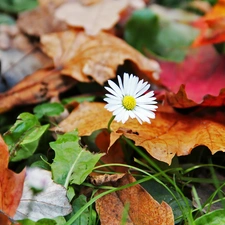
(38, 87)
(168, 135)
(102, 15)
(82, 56)
(40, 20)
(143, 209)
(105, 178)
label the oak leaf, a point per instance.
(143, 209)
(199, 79)
(168, 135)
(81, 56)
(92, 17)
(11, 186)
(212, 26)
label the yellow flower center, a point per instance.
(129, 102)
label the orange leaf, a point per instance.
(81, 56)
(212, 26)
(143, 209)
(11, 184)
(169, 133)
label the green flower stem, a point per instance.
(109, 123)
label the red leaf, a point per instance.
(202, 73)
(11, 184)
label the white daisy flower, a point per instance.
(35, 179)
(130, 99)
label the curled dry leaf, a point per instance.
(168, 135)
(102, 15)
(142, 208)
(101, 179)
(202, 73)
(81, 56)
(11, 186)
(38, 87)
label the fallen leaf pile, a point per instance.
(70, 49)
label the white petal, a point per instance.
(125, 117)
(119, 114)
(142, 117)
(121, 85)
(113, 97)
(139, 86)
(147, 113)
(115, 88)
(111, 91)
(148, 107)
(137, 117)
(125, 82)
(112, 108)
(145, 99)
(131, 114)
(143, 90)
(133, 84)
(113, 101)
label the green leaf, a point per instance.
(216, 217)
(57, 221)
(48, 109)
(141, 30)
(79, 99)
(23, 137)
(167, 39)
(77, 204)
(72, 164)
(15, 6)
(172, 3)
(70, 193)
(6, 19)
